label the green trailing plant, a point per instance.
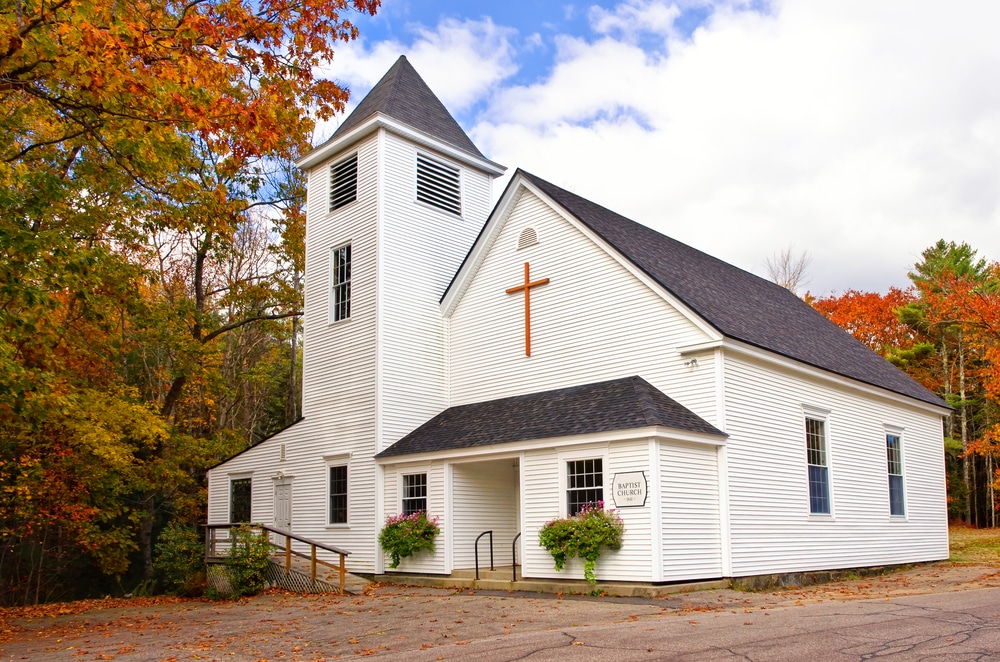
(584, 535)
(180, 560)
(405, 535)
(247, 561)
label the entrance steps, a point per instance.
(501, 579)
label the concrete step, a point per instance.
(566, 586)
(501, 573)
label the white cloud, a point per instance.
(858, 131)
(861, 132)
(634, 16)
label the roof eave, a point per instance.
(797, 365)
(659, 432)
(382, 121)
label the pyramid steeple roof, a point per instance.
(404, 96)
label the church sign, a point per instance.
(629, 489)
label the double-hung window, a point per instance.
(340, 283)
(414, 493)
(584, 483)
(240, 491)
(894, 460)
(338, 494)
(819, 472)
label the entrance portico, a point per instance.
(485, 496)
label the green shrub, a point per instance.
(247, 562)
(405, 535)
(180, 560)
(583, 535)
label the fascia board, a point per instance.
(379, 120)
(511, 449)
(501, 212)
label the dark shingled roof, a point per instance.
(403, 95)
(620, 404)
(737, 303)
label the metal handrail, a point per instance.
(513, 555)
(211, 540)
(492, 567)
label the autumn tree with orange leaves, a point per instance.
(945, 332)
(150, 233)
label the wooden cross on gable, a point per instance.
(526, 286)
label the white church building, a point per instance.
(498, 368)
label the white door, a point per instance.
(283, 507)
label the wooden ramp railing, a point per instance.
(214, 545)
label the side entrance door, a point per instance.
(283, 507)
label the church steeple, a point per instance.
(403, 103)
(404, 96)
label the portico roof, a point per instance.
(619, 404)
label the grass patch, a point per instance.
(970, 545)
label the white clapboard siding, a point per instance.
(339, 382)
(306, 470)
(634, 561)
(543, 502)
(540, 503)
(370, 379)
(484, 498)
(592, 307)
(689, 495)
(432, 562)
(771, 528)
(421, 249)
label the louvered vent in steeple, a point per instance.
(438, 184)
(344, 182)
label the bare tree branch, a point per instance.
(788, 270)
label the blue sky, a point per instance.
(856, 132)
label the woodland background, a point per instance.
(151, 253)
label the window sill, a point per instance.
(339, 322)
(820, 517)
(338, 526)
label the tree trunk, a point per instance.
(173, 395)
(293, 404)
(963, 414)
(146, 537)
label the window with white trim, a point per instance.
(414, 493)
(439, 184)
(338, 494)
(584, 483)
(344, 182)
(894, 460)
(819, 472)
(340, 283)
(240, 493)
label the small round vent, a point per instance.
(528, 238)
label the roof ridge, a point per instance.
(395, 82)
(645, 399)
